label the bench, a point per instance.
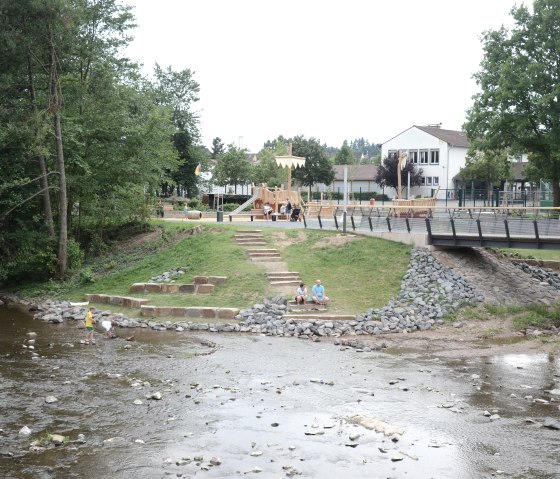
(241, 215)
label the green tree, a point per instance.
(318, 168)
(517, 108)
(233, 167)
(179, 91)
(345, 156)
(266, 170)
(218, 148)
(387, 174)
(488, 166)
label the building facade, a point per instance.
(438, 152)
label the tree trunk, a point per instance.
(40, 158)
(54, 108)
(555, 192)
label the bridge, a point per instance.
(487, 226)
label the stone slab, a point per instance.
(200, 279)
(217, 279)
(204, 288)
(227, 313)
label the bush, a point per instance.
(230, 206)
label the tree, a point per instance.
(345, 156)
(179, 91)
(518, 107)
(488, 166)
(318, 168)
(266, 170)
(217, 148)
(233, 167)
(387, 174)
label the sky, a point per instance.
(333, 70)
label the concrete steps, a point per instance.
(284, 278)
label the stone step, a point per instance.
(247, 232)
(309, 306)
(253, 243)
(319, 315)
(286, 282)
(265, 258)
(248, 239)
(285, 278)
(264, 254)
(282, 273)
(261, 250)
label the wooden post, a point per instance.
(290, 176)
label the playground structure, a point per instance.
(276, 197)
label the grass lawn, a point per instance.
(534, 253)
(358, 272)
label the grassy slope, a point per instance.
(357, 275)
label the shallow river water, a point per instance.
(266, 407)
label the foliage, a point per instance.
(179, 91)
(387, 174)
(488, 166)
(345, 156)
(517, 107)
(538, 316)
(115, 130)
(318, 168)
(266, 170)
(233, 167)
(218, 148)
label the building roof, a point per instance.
(452, 137)
(355, 172)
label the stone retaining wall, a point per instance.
(125, 301)
(189, 312)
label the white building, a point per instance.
(439, 153)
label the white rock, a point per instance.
(24, 431)
(138, 402)
(50, 399)
(157, 396)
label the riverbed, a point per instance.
(235, 405)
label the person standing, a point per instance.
(89, 325)
(267, 210)
(318, 292)
(288, 210)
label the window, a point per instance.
(428, 181)
(392, 154)
(423, 181)
(413, 156)
(424, 157)
(434, 157)
(435, 181)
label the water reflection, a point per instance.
(255, 394)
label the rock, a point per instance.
(215, 461)
(50, 399)
(551, 423)
(157, 396)
(138, 402)
(24, 431)
(57, 439)
(396, 458)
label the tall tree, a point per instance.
(345, 156)
(266, 170)
(387, 174)
(218, 148)
(179, 91)
(318, 168)
(518, 107)
(233, 167)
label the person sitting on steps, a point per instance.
(301, 294)
(318, 292)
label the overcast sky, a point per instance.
(328, 69)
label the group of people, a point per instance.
(318, 295)
(89, 320)
(292, 214)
